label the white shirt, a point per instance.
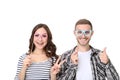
(84, 71)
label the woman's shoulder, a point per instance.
(23, 56)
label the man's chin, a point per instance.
(83, 44)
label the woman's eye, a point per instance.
(44, 35)
(36, 35)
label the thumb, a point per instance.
(104, 51)
(75, 53)
(29, 57)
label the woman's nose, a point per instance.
(40, 38)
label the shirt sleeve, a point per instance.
(110, 71)
(19, 66)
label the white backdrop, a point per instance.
(17, 19)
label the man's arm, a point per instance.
(111, 72)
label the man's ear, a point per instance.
(92, 33)
(74, 32)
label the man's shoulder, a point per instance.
(67, 53)
(95, 50)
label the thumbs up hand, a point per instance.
(103, 56)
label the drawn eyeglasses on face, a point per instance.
(83, 32)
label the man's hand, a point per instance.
(74, 56)
(103, 56)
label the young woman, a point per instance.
(39, 62)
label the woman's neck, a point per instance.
(38, 52)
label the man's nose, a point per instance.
(83, 35)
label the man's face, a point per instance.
(83, 34)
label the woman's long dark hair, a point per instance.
(50, 48)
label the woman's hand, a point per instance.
(26, 64)
(27, 61)
(56, 68)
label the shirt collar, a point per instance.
(93, 50)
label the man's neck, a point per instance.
(83, 48)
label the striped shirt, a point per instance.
(36, 71)
(100, 71)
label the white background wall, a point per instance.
(18, 17)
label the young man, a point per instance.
(84, 62)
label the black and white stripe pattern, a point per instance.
(36, 71)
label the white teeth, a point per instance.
(39, 43)
(83, 39)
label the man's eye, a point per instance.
(79, 32)
(87, 32)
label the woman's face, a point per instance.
(40, 38)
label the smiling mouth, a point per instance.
(40, 43)
(83, 39)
